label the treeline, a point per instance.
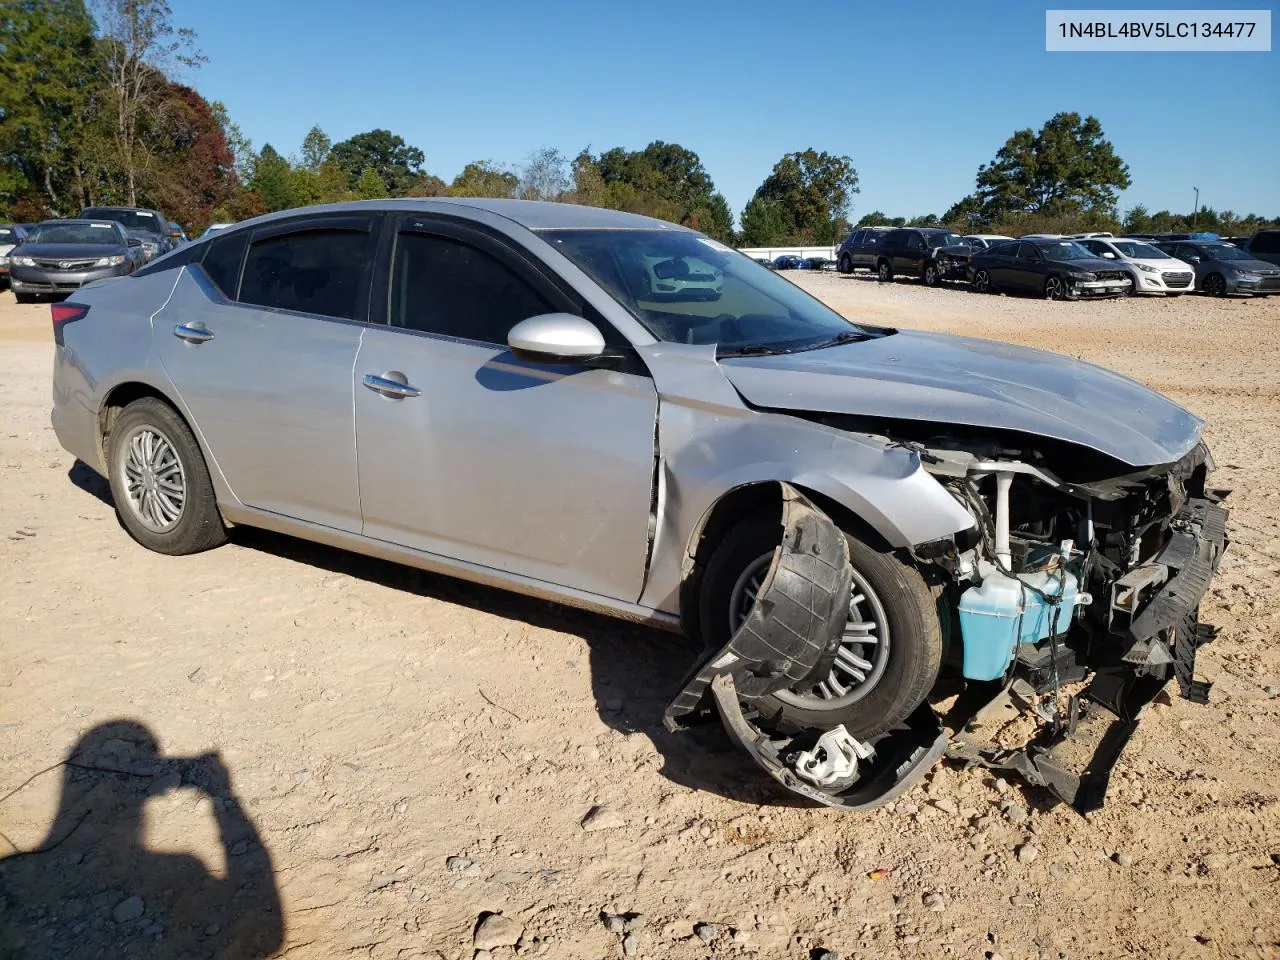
(90, 114)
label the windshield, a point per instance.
(132, 219)
(1139, 251)
(686, 288)
(944, 240)
(1223, 251)
(1066, 250)
(74, 233)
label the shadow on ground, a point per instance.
(91, 889)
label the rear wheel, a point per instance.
(890, 652)
(982, 282)
(159, 481)
(884, 272)
(1215, 285)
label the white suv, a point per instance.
(1154, 271)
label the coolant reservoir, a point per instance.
(1001, 613)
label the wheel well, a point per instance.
(119, 398)
(733, 508)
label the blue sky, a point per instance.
(917, 93)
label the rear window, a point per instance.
(222, 262)
(143, 220)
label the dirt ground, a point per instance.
(373, 722)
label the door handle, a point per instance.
(192, 332)
(395, 389)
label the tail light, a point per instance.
(64, 313)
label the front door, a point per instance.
(263, 363)
(467, 452)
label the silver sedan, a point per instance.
(520, 394)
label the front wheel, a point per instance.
(159, 481)
(931, 275)
(1215, 285)
(890, 652)
(1054, 289)
(846, 265)
(884, 272)
(24, 297)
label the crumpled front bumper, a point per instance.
(794, 629)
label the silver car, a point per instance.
(843, 517)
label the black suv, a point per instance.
(858, 252)
(1264, 245)
(930, 253)
(149, 226)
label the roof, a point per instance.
(531, 214)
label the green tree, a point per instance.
(315, 149)
(763, 224)
(48, 79)
(139, 44)
(588, 184)
(811, 191)
(545, 175)
(242, 152)
(1065, 166)
(273, 180)
(370, 186)
(393, 160)
(483, 179)
(331, 183)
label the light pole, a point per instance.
(1195, 210)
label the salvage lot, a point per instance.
(376, 721)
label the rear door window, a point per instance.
(445, 286)
(320, 269)
(222, 262)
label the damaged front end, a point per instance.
(1075, 600)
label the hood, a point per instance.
(1252, 266)
(959, 250)
(69, 251)
(934, 377)
(151, 235)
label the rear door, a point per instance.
(542, 471)
(259, 340)
(1028, 270)
(909, 257)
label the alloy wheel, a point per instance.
(1053, 289)
(982, 281)
(864, 645)
(883, 273)
(154, 481)
(1214, 285)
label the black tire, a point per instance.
(1055, 288)
(910, 607)
(884, 272)
(846, 265)
(982, 282)
(24, 297)
(198, 525)
(931, 276)
(1215, 285)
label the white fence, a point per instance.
(769, 253)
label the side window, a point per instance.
(1265, 241)
(857, 237)
(1027, 252)
(441, 285)
(316, 271)
(222, 262)
(914, 242)
(1185, 251)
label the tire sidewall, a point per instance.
(200, 525)
(910, 606)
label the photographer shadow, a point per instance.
(91, 889)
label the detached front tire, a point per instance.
(159, 481)
(891, 651)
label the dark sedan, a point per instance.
(788, 262)
(1056, 269)
(61, 256)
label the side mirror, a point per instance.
(555, 338)
(134, 242)
(1108, 255)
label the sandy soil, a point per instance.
(374, 721)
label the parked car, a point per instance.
(1237, 241)
(1264, 245)
(11, 235)
(817, 503)
(1055, 269)
(788, 262)
(932, 254)
(61, 256)
(984, 241)
(1223, 268)
(764, 262)
(213, 228)
(149, 226)
(177, 236)
(818, 263)
(680, 279)
(858, 252)
(1152, 270)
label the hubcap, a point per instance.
(930, 276)
(155, 485)
(864, 646)
(884, 272)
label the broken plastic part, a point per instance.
(833, 759)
